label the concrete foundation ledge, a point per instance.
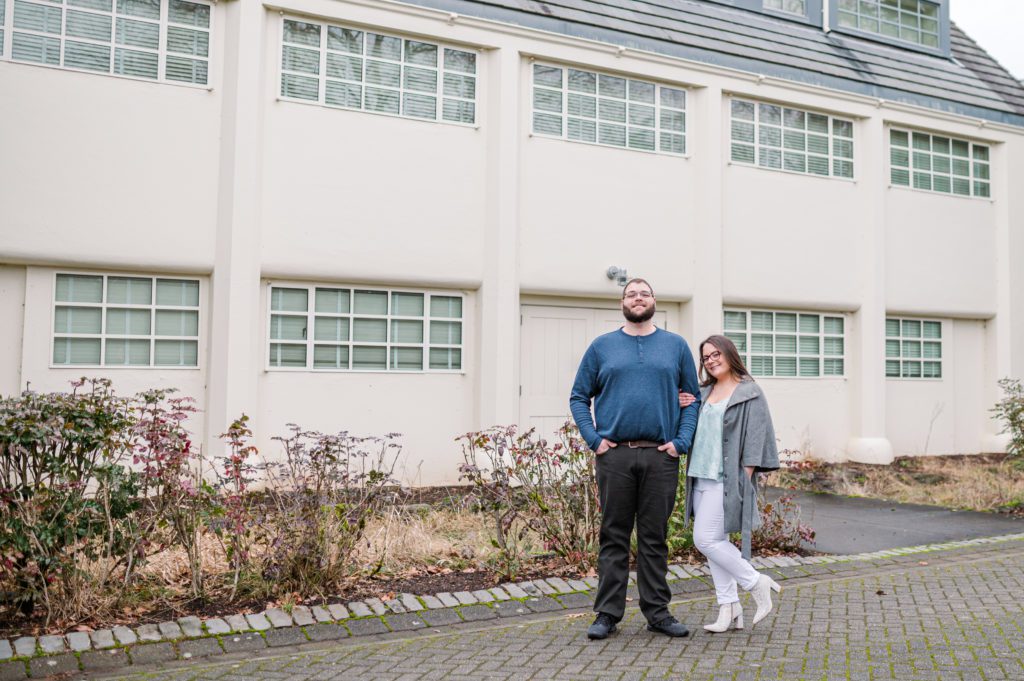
(874, 450)
(27, 657)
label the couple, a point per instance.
(644, 387)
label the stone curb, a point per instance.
(190, 638)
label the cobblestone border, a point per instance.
(191, 638)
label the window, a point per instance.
(355, 69)
(913, 348)
(776, 137)
(164, 40)
(364, 329)
(787, 343)
(798, 7)
(101, 320)
(913, 21)
(939, 164)
(584, 106)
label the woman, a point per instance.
(734, 442)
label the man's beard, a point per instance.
(637, 318)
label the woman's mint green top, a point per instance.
(706, 456)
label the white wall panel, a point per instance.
(98, 169)
(790, 240)
(940, 253)
(585, 207)
(371, 197)
(12, 315)
(947, 415)
(811, 416)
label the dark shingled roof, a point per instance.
(971, 83)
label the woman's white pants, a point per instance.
(728, 567)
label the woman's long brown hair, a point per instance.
(729, 353)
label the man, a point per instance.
(634, 376)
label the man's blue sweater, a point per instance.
(635, 383)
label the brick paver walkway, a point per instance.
(946, 615)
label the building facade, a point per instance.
(401, 216)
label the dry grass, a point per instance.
(406, 540)
(980, 483)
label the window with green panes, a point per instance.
(913, 348)
(788, 344)
(106, 320)
(781, 138)
(356, 69)
(915, 21)
(163, 40)
(789, 6)
(354, 329)
(939, 164)
(586, 106)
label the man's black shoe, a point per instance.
(669, 626)
(602, 626)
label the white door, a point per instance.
(552, 342)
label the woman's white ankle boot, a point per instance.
(729, 615)
(762, 594)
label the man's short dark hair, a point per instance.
(637, 280)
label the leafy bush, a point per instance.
(524, 482)
(561, 488)
(1010, 411)
(680, 529)
(66, 493)
(235, 527)
(781, 530)
(318, 502)
(489, 465)
(178, 497)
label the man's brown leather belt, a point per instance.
(641, 444)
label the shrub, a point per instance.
(235, 528)
(489, 465)
(66, 494)
(178, 497)
(524, 482)
(680, 529)
(318, 502)
(781, 530)
(1010, 411)
(561, 490)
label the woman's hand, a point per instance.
(749, 471)
(686, 399)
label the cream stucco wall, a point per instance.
(12, 314)
(107, 171)
(232, 184)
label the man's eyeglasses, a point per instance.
(716, 355)
(643, 295)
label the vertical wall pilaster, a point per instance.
(235, 340)
(709, 150)
(865, 368)
(498, 357)
(1004, 360)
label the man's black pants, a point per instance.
(635, 485)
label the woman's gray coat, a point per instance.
(748, 439)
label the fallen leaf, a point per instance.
(629, 599)
(922, 562)
(578, 615)
(879, 593)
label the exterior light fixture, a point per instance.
(618, 274)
